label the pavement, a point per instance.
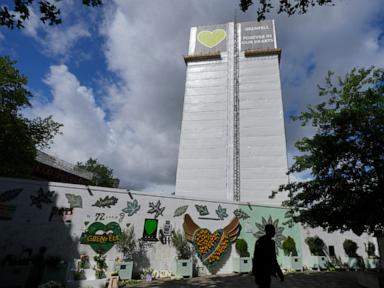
(292, 280)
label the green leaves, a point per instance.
(344, 158)
(19, 136)
(102, 175)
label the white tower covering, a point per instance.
(232, 143)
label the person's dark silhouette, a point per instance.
(264, 259)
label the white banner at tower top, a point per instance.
(258, 35)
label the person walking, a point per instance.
(264, 259)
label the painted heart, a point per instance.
(210, 247)
(211, 39)
(101, 237)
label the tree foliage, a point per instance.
(19, 136)
(102, 175)
(345, 157)
(50, 14)
(289, 7)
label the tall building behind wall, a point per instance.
(232, 142)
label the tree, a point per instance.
(290, 7)
(102, 175)
(19, 136)
(345, 157)
(51, 15)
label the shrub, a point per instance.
(127, 243)
(316, 245)
(371, 249)
(289, 247)
(181, 244)
(350, 248)
(242, 247)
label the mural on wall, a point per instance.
(7, 211)
(221, 212)
(107, 201)
(279, 237)
(150, 230)
(74, 201)
(42, 197)
(202, 209)
(101, 237)
(241, 214)
(10, 194)
(156, 209)
(180, 211)
(61, 215)
(210, 247)
(132, 207)
(165, 233)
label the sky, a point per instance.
(114, 75)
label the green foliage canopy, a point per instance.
(102, 175)
(50, 14)
(345, 157)
(19, 136)
(288, 7)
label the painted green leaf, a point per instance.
(132, 207)
(10, 194)
(75, 201)
(202, 209)
(221, 212)
(180, 211)
(240, 214)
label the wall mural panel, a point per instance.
(165, 233)
(106, 202)
(279, 237)
(211, 248)
(61, 215)
(101, 237)
(42, 197)
(156, 209)
(132, 207)
(74, 201)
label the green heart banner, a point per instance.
(101, 237)
(150, 229)
(211, 39)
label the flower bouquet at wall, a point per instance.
(244, 263)
(184, 255)
(212, 246)
(100, 266)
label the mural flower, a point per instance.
(279, 237)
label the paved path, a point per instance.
(294, 280)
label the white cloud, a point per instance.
(144, 44)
